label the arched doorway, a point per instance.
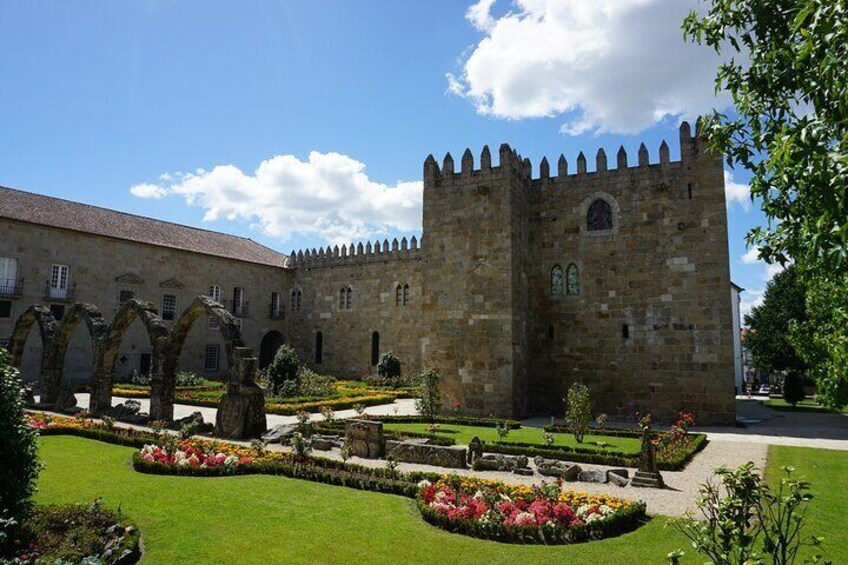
(271, 342)
(375, 348)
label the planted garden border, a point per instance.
(338, 473)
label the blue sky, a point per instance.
(168, 108)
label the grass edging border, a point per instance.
(623, 521)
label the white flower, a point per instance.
(179, 456)
(230, 461)
(424, 483)
(183, 462)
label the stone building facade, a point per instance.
(522, 284)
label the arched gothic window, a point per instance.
(349, 298)
(556, 281)
(599, 216)
(296, 296)
(572, 280)
(399, 295)
(405, 294)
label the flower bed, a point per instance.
(292, 408)
(519, 514)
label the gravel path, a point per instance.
(679, 495)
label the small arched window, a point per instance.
(599, 216)
(556, 281)
(348, 298)
(319, 348)
(399, 295)
(405, 294)
(572, 280)
(342, 298)
(298, 300)
(375, 348)
(296, 295)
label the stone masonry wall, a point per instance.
(373, 277)
(650, 329)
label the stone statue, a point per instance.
(648, 474)
(475, 450)
(241, 412)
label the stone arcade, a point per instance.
(521, 284)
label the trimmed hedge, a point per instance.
(613, 432)
(623, 521)
(338, 428)
(455, 420)
(290, 409)
(580, 455)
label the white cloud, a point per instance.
(749, 299)
(736, 192)
(480, 16)
(328, 196)
(145, 190)
(751, 257)
(601, 65)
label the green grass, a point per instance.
(827, 471)
(463, 434)
(806, 405)
(263, 519)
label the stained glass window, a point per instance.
(572, 280)
(556, 281)
(599, 216)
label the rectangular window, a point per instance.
(5, 309)
(59, 281)
(4, 343)
(238, 301)
(275, 304)
(9, 285)
(625, 331)
(58, 311)
(210, 361)
(125, 296)
(215, 293)
(213, 323)
(169, 306)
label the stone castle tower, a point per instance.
(616, 277)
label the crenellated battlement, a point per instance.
(510, 160)
(397, 250)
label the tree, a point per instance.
(786, 69)
(578, 412)
(429, 401)
(772, 323)
(283, 367)
(19, 464)
(793, 388)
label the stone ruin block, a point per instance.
(326, 442)
(556, 468)
(618, 477)
(364, 438)
(498, 462)
(593, 476)
(420, 451)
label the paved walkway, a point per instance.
(400, 407)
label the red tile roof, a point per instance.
(65, 214)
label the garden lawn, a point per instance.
(806, 405)
(463, 434)
(827, 471)
(264, 519)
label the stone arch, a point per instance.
(47, 328)
(614, 211)
(271, 342)
(97, 330)
(157, 331)
(163, 384)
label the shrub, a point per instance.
(310, 383)
(429, 401)
(743, 519)
(579, 410)
(793, 388)
(388, 367)
(19, 465)
(140, 379)
(284, 367)
(186, 378)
